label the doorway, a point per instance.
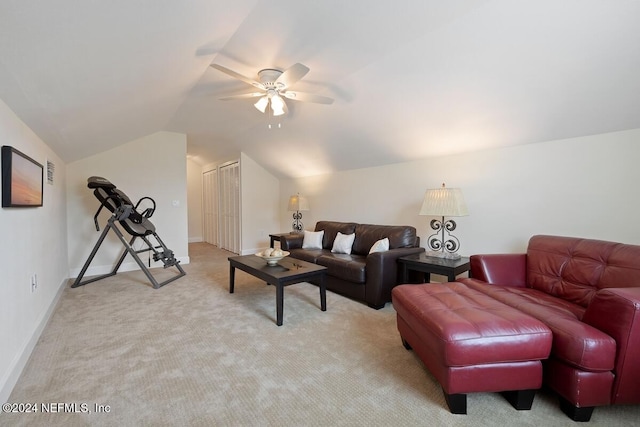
(221, 206)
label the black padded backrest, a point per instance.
(105, 191)
(138, 229)
(112, 199)
(103, 195)
(123, 197)
(99, 182)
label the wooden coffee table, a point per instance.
(288, 271)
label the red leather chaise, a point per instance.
(586, 292)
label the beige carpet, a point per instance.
(190, 353)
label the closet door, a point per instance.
(229, 207)
(210, 206)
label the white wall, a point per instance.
(194, 201)
(584, 187)
(260, 198)
(152, 166)
(33, 241)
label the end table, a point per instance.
(427, 265)
(276, 237)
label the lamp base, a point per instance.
(439, 243)
(298, 227)
(440, 254)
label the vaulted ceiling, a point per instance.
(410, 78)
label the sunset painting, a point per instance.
(21, 179)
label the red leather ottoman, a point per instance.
(472, 343)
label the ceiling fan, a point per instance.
(273, 85)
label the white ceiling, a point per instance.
(411, 78)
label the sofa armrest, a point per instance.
(500, 269)
(382, 274)
(291, 241)
(616, 312)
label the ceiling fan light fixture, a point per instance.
(262, 103)
(277, 105)
(275, 85)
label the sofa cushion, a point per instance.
(574, 342)
(347, 267)
(312, 239)
(575, 269)
(331, 229)
(367, 234)
(381, 245)
(309, 255)
(343, 243)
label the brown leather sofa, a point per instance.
(587, 292)
(359, 275)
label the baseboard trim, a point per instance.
(20, 362)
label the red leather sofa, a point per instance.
(587, 292)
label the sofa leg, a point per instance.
(457, 403)
(406, 344)
(522, 400)
(376, 306)
(575, 413)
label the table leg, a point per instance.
(271, 241)
(279, 303)
(451, 277)
(232, 278)
(323, 294)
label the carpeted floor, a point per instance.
(192, 354)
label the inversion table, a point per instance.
(134, 223)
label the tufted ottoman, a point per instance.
(472, 343)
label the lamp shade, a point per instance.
(277, 105)
(262, 103)
(444, 202)
(298, 203)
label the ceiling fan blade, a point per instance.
(307, 97)
(242, 96)
(292, 74)
(235, 75)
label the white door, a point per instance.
(229, 207)
(210, 206)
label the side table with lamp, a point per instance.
(440, 257)
(297, 204)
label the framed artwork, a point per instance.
(22, 179)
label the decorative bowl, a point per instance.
(272, 260)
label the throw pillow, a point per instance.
(380, 246)
(343, 243)
(312, 239)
